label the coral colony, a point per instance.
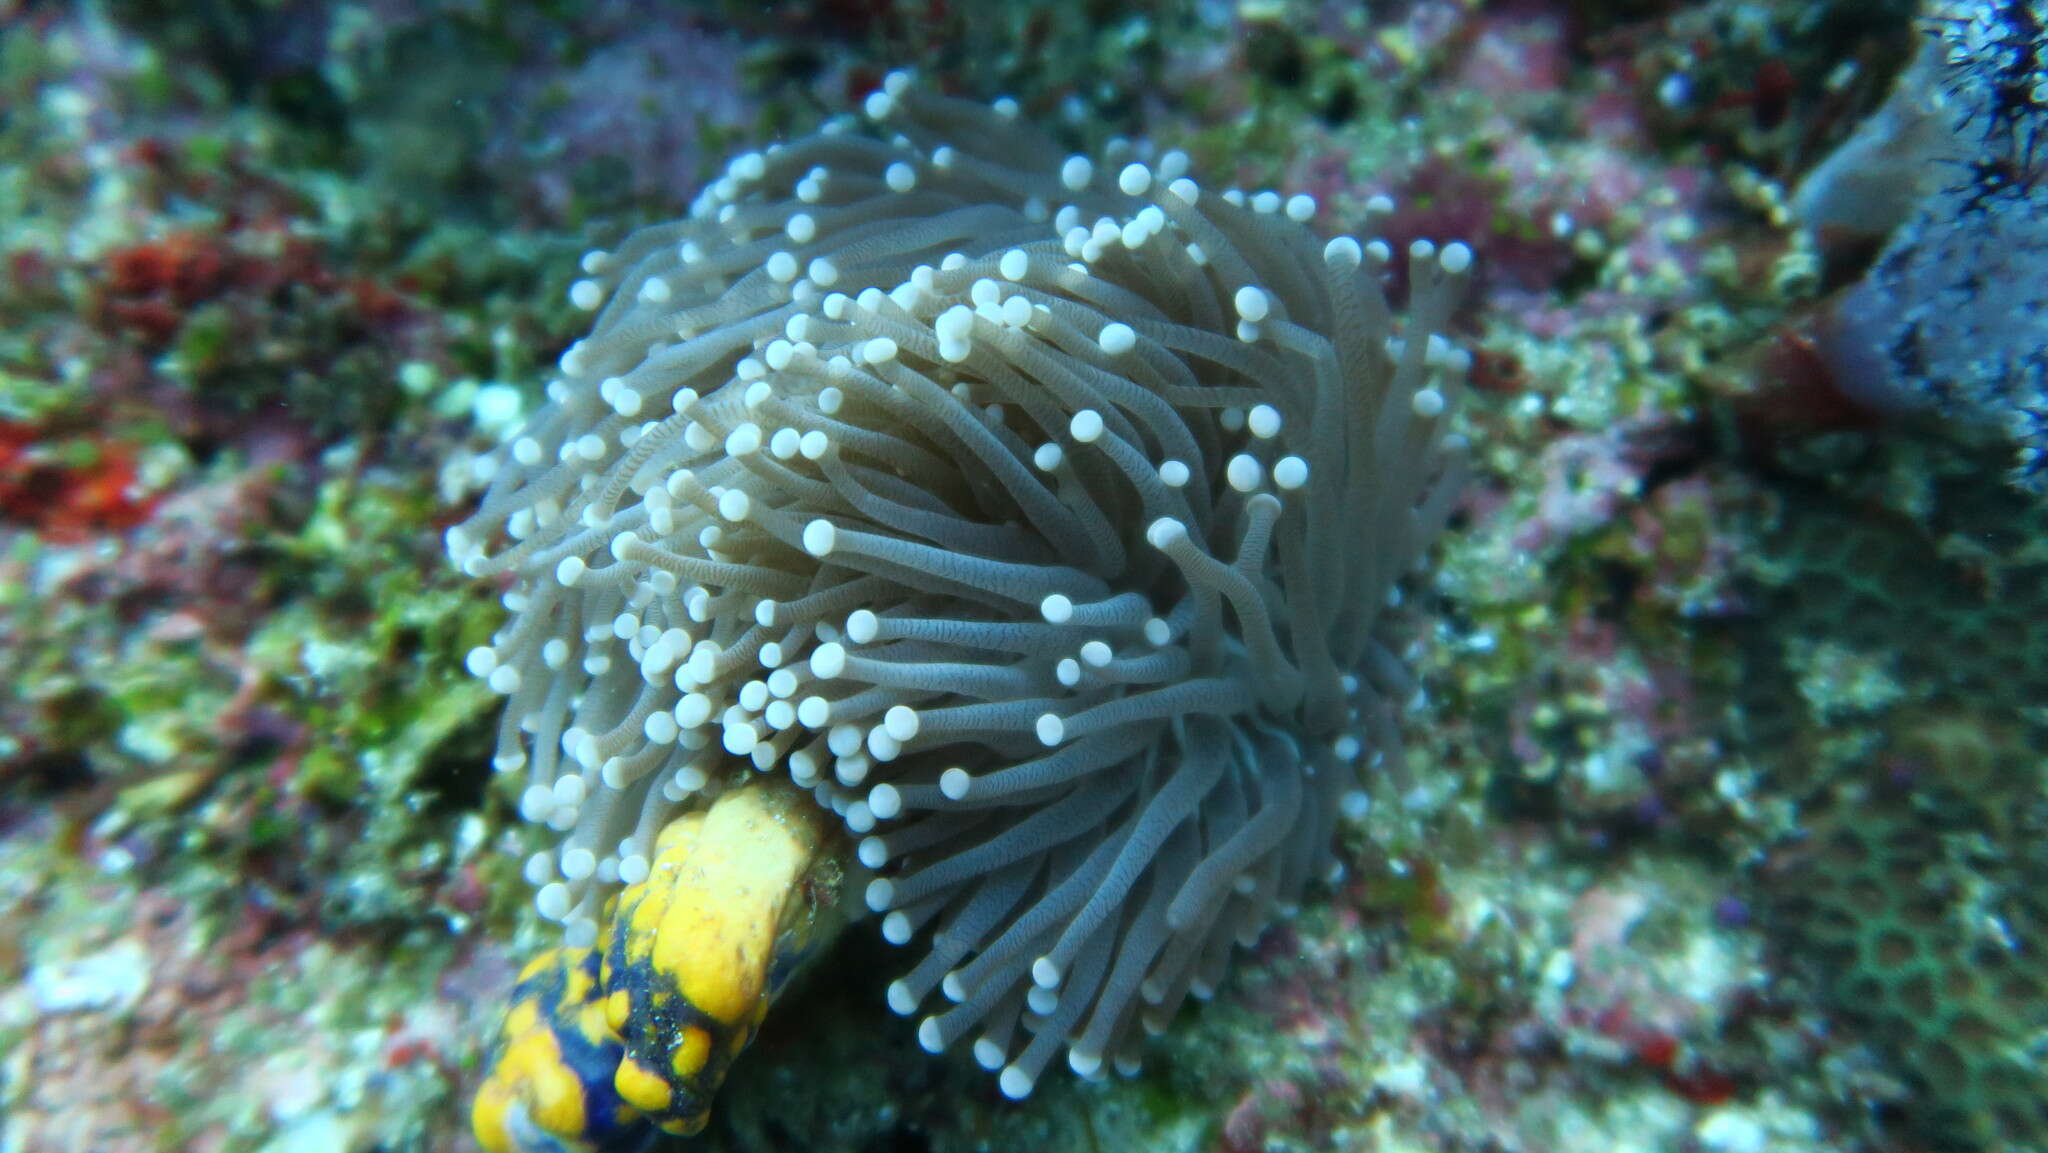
(1040, 514)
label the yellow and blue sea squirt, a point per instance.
(605, 1045)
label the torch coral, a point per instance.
(1039, 514)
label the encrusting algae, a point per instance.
(1041, 521)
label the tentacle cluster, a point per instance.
(1039, 513)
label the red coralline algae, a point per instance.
(1799, 393)
(184, 266)
(150, 287)
(1446, 199)
(68, 490)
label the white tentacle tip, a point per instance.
(1165, 532)
(901, 1002)
(820, 538)
(881, 891)
(1015, 1083)
(1051, 730)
